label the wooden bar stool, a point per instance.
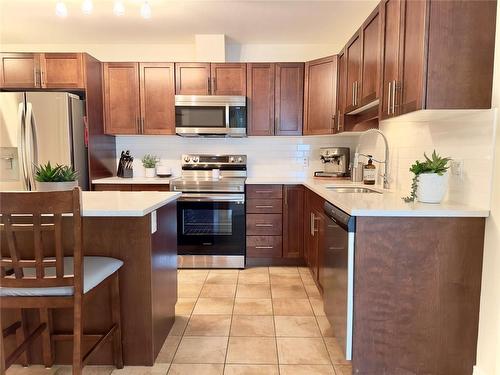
(45, 279)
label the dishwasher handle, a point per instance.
(339, 217)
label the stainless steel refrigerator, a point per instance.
(37, 127)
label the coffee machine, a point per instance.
(335, 162)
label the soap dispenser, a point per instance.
(369, 172)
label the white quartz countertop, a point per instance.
(124, 203)
(133, 180)
(389, 203)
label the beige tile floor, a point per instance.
(257, 321)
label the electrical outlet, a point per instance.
(457, 168)
(305, 162)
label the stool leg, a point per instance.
(116, 318)
(77, 336)
(48, 353)
(21, 334)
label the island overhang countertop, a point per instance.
(124, 203)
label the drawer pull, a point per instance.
(264, 225)
(268, 206)
(263, 191)
(264, 247)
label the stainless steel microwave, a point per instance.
(210, 115)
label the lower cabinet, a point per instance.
(131, 187)
(274, 215)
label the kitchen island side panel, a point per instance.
(416, 295)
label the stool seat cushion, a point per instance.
(95, 271)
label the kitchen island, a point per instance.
(140, 229)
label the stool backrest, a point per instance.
(36, 215)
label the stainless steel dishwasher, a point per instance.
(338, 276)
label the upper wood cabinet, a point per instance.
(341, 92)
(353, 71)
(289, 98)
(437, 55)
(157, 92)
(121, 98)
(228, 79)
(139, 98)
(61, 70)
(320, 96)
(192, 79)
(275, 98)
(370, 58)
(19, 70)
(42, 70)
(210, 79)
(260, 98)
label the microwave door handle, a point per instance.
(22, 145)
(227, 116)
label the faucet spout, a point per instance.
(385, 176)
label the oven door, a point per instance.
(211, 224)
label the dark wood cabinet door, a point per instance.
(19, 70)
(320, 93)
(62, 70)
(371, 57)
(228, 79)
(353, 71)
(157, 92)
(410, 88)
(391, 17)
(289, 98)
(192, 79)
(121, 98)
(341, 93)
(260, 98)
(293, 221)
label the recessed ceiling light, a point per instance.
(145, 10)
(118, 8)
(87, 6)
(61, 10)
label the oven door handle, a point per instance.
(238, 198)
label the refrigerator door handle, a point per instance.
(22, 145)
(32, 146)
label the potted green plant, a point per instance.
(149, 163)
(58, 178)
(430, 182)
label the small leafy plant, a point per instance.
(149, 161)
(59, 173)
(434, 164)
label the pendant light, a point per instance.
(145, 10)
(87, 7)
(61, 9)
(119, 8)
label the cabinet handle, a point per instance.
(264, 247)
(394, 97)
(264, 225)
(209, 86)
(338, 121)
(286, 197)
(142, 125)
(42, 78)
(357, 92)
(312, 224)
(389, 99)
(269, 206)
(215, 84)
(35, 76)
(263, 191)
(354, 93)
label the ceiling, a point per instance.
(177, 21)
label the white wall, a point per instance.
(295, 157)
(488, 349)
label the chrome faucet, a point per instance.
(384, 176)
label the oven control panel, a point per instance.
(214, 159)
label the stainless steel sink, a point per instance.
(352, 189)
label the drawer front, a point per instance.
(112, 187)
(264, 206)
(150, 187)
(265, 191)
(264, 225)
(264, 246)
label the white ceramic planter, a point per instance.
(432, 187)
(56, 186)
(150, 172)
